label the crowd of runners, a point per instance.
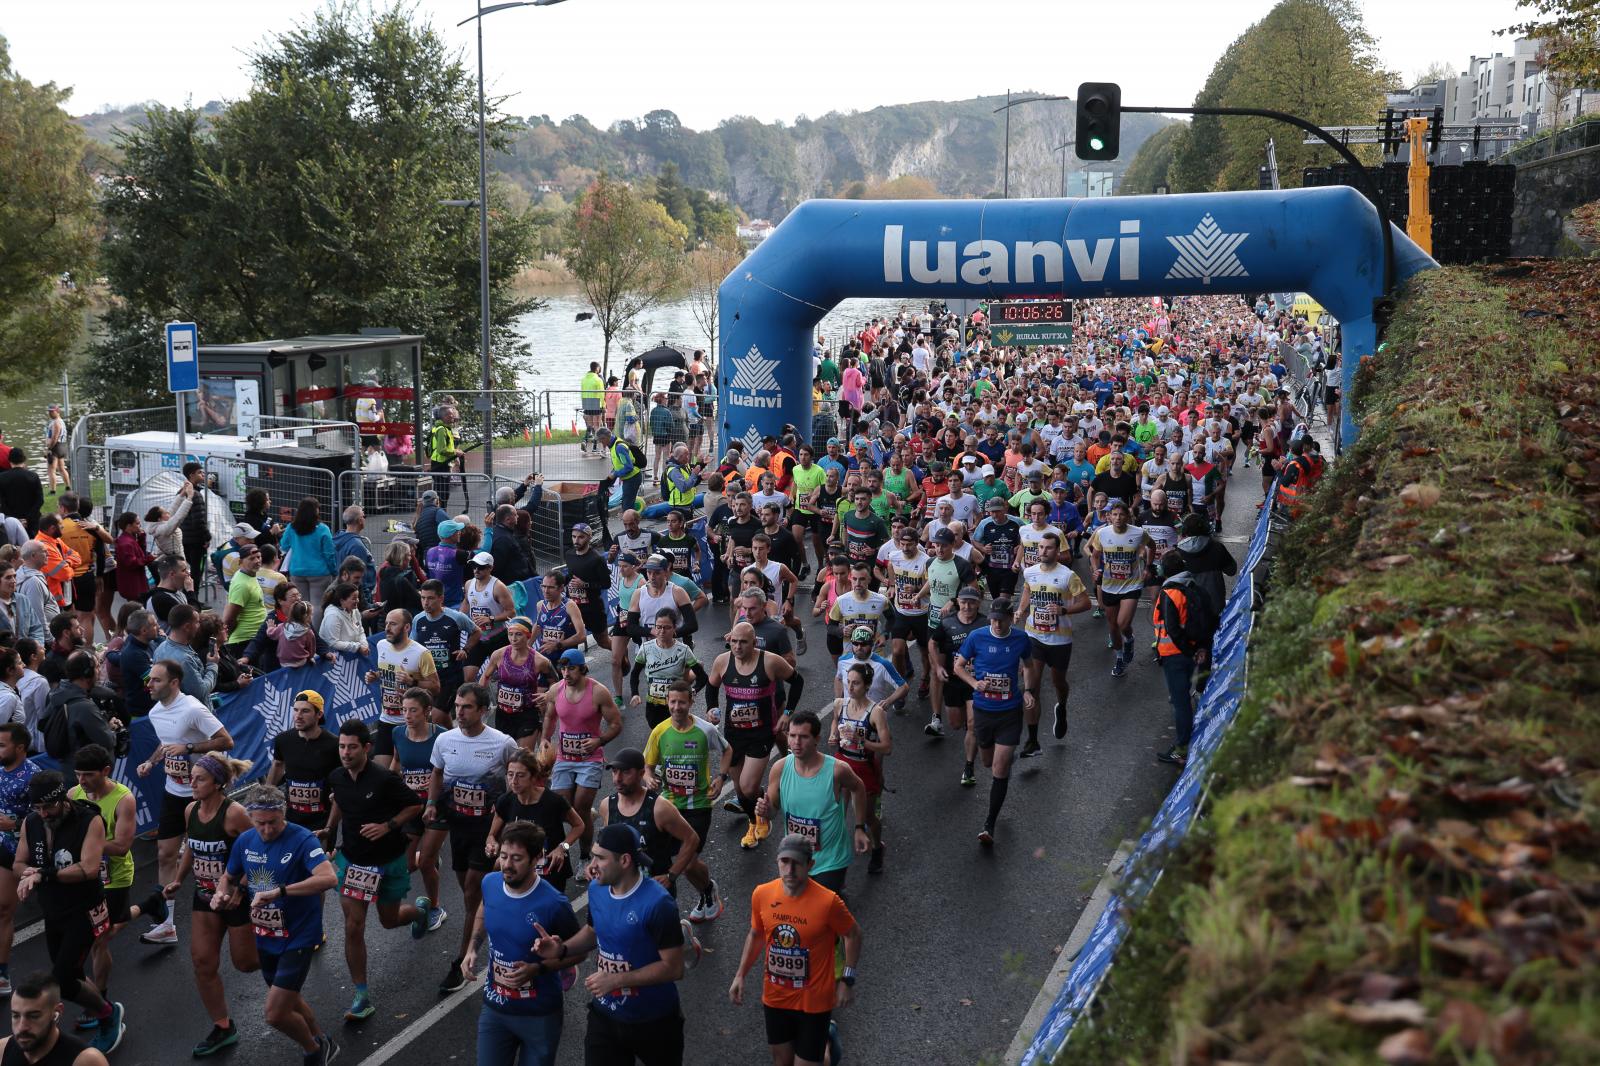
(961, 515)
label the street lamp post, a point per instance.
(486, 402)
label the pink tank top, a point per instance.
(577, 720)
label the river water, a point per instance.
(562, 350)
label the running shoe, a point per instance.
(800, 642)
(934, 728)
(454, 979)
(216, 1040)
(922, 690)
(1118, 667)
(436, 917)
(165, 934)
(1060, 729)
(361, 1008)
(1112, 644)
(875, 862)
(732, 804)
(1098, 613)
(1030, 749)
(899, 706)
(986, 836)
(710, 906)
(763, 829)
(835, 1047)
(424, 919)
(693, 949)
(112, 1029)
(750, 841)
(968, 778)
(1177, 755)
(86, 1023)
(330, 1050)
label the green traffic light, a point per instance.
(1097, 144)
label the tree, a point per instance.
(1569, 32)
(705, 269)
(1148, 168)
(624, 252)
(1310, 58)
(47, 228)
(1198, 153)
(1438, 70)
(312, 205)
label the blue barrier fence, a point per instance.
(1214, 713)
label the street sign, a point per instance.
(183, 357)
(1021, 324)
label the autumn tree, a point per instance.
(1198, 151)
(625, 253)
(1570, 34)
(47, 228)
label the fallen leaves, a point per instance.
(1388, 562)
(1419, 495)
(1409, 1047)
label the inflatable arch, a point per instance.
(1326, 242)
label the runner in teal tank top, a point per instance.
(812, 790)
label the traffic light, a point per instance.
(1099, 120)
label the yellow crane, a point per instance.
(1419, 223)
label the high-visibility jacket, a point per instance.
(60, 562)
(442, 444)
(680, 483)
(1293, 483)
(1165, 645)
(622, 466)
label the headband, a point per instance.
(213, 766)
(277, 804)
(520, 622)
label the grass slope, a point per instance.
(1400, 863)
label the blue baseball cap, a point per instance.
(449, 528)
(573, 657)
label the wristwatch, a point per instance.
(848, 977)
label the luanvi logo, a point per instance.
(989, 262)
(1208, 253)
(754, 384)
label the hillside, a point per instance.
(768, 168)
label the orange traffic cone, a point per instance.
(526, 435)
(549, 434)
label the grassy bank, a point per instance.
(1399, 861)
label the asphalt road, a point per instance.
(958, 939)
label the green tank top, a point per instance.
(116, 871)
(899, 484)
(806, 481)
(811, 809)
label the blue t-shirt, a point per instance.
(991, 656)
(630, 933)
(288, 922)
(14, 800)
(509, 921)
(1080, 473)
(443, 563)
(413, 759)
(1103, 391)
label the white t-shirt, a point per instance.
(965, 507)
(474, 768)
(183, 721)
(415, 660)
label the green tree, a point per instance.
(1199, 152)
(313, 206)
(625, 252)
(1570, 34)
(1148, 168)
(671, 194)
(47, 228)
(1311, 58)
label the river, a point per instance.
(562, 348)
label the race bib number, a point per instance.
(361, 882)
(578, 591)
(572, 745)
(105, 873)
(744, 716)
(1000, 555)
(657, 693)
(480, 616)
(305, 797)
(997, 686)
(441, 658)
(417, 780)
(177, 768)
(809, 828)
(207, 872)
(1119, 565)
(606, 962)
(553, 636)
(509, 700)
(267, 920)
(506, 984)
(860, 551)
(1046, 617)
(680, 778)
(788, 964)
(99, 919)
(392, 692)
(469, 799)
(905, 593)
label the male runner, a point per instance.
(670, 843)
(36, 1038)
(1121, 557)
(448, 635)
(402, 664)
(661, 662)
(948, 573)
(581, 718)
(813, 791)
(990, 662)
(687, 761)
(861, 606)
(999, 536)
(302, 758)
(748, 678)
(906, 574)
(1051, 593)
(956, 694)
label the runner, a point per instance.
(36, 1038)
(688, 761)
(784, 581)
(999, 536)
(282, 872)
(413, 742)
(448, 635)
(16, 770)
(885, 684)
(811, 508)
(656, 595)
(469, 765)
(302, 758)
(948, 573)
(402, 664)
(661, 662)
(528, 798)
(748, 677)
(906, 574)
(522, 914)
(860, 734)
(796, 925)
(861, 607)
(488, 605)
(670, 843)
(990, 662)
(861, 530)
(813, 791)
(214, 823)
(580, 728)
(588, 577)
(558, 624)
(184, 728)
(58, 854)
(956, 694)
(1051, 594)
(373, 805)
(518, 673)
(1121, 556)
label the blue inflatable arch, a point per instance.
(1325, 242)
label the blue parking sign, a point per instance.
(183, 357)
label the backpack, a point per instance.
(636, 452)
(1195, 634)
(57, 732)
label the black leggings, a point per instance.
(68, 940)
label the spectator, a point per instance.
(10, 699)
(21, 493)
(429, 515)
(133, 561)
(85, 724)
(308, 552)
(258, 515)
(166, 538)
(350, 544)
(88, 539)
(138, 652)
(510, 560)
(297, 642)
(341, 627)
(397, 580)
(194, 529)
(261, 654)
(66, 637)
(173, 588)
(33, 688)
(59, 559)
(269, 577)
(199, 674)
(246, 605)
(8, 597)
(111, 653)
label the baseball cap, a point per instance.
(483, 559)
(245, 529)
(834, 440)
(581, 527)
(1001, 607)
(861, 633)
(655, 562)
(626, 759)
(969, 460)
(449, 528)
(944, 536)
(987, 471)
(430, 496)
(629, 558)
(995, 504)
(310, 696)
(969, 593)
(1062, 485)
(573, 657)
(619, 838)
(795, 846)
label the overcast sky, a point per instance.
(710, 59)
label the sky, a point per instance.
(708, 60)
